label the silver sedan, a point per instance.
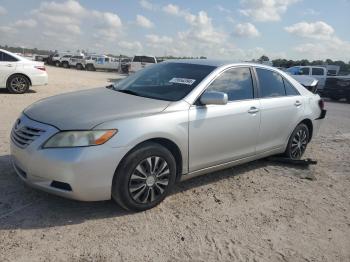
(133, 140)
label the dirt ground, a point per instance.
(259, 211)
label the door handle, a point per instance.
(253, 110)
(297, 103)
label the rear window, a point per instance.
(137, 59)
(148, 59)
(317, 71)
(7, 58)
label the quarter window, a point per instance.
(290, 89)
(270, 83)
(236, 83)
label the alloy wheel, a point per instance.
(299, 143)
(149, 180)
(18, 84)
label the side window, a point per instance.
(270, 83)
(107, 59)
(305, 71)
(317, 71)
(7, 58)
(290, 89)
(237, 83)
(137, 59)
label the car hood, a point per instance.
(85, 109)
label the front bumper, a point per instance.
(84, 173)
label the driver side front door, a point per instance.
(222, 133)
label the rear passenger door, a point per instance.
(7, 67)
(281, 108)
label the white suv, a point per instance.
(101, 62)
(17, 73)
(139, 62)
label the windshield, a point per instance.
(165, 81)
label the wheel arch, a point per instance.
(309, 125)
(22, 74)
(168, 144)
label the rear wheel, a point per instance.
(79, 66)
(18, 84)
(57, 63)
(90, 67)
(144, 178)
(65, 64)
(298, 142)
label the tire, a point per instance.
(79, 67)
(144, 177)
(90, 67)
(57, 63)
(297, 142)
(18, 84)
(65, 65)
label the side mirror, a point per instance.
(213, 98)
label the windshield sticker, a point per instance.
(184, 81)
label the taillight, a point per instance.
(42, 68)
(321, 104)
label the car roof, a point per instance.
(216, 63)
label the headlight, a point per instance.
(80, 138)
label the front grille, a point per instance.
(25, 135)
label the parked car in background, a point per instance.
(308, 82)
(337, 87)
(17, 73)
(64, 61)
(77, 61)
(317, 72)
(133, 140)
(101, 62)
(125, 64)
(141, 61)
(55, 58)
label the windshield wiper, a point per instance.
(130, 92)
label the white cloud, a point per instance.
(223, 9)
(28, 23)
(172, 9)
(246, 30)
(143, 21)
(135, 46)
(147, 5)
(317, 30)
(107, 19)
(6, 29)
(328, 44)
(265, 10)
(3, 11)
(158, 40)
(311, 12)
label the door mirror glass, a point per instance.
(214, 98)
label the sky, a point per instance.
(232, 29)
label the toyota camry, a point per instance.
(133, 140)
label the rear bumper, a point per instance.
(40, 79)
(323, 115)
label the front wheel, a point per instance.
(298, 142)
(144, 178)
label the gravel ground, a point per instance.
(261, 211)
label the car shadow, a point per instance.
(22, 207)
(5, 91)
